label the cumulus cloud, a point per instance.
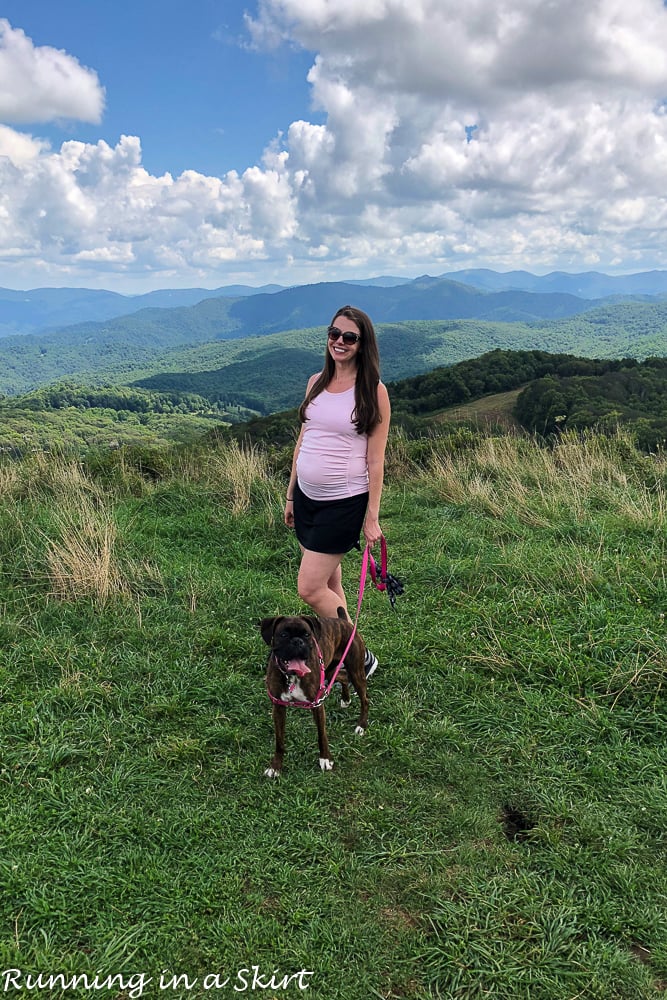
(519, 132)
(484, 48)
(40, 83)
(501, 133)
(97, 205)
(19, 148)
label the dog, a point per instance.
(293, 673)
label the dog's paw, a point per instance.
(359, 731)
(345, 704)
(271, 772)
(326, 764)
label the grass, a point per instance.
(499, 831)
(495, 411)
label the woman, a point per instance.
(338, 466)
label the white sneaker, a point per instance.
(370, 664)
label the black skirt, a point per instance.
(331, 526)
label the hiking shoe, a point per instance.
(370, 664)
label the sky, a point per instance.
(154, 145)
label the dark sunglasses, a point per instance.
(349, 338)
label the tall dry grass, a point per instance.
(81, 557)
(516, 475)
(241, 476)
(43, 474)
(74, 540)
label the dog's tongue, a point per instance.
(297, 667)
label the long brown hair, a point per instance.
(366, 414)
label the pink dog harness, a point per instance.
(325, 689)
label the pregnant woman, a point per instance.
(338, 467)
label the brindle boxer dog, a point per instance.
(293, 673)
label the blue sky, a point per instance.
(182, 76)
(147, 145)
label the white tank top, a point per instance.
(332, 460)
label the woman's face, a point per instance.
(339, 350)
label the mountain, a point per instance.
(268, 373)
(313, 305)
(136, 341)
(384, 281)
(588, 285)
(42, 309)
(423, 298)
(423, 323)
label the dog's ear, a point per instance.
(267, 627)
(315, 625)
(342, 613)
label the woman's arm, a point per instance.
(289, 500)
(377, 443)
(289, 505)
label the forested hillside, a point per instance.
(632, 393)
(270, 378)
(558, 391)
(184, 342)
(67, 416)
(496, 371)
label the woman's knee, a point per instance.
(306, 591)
(309, 587)
(319, 581)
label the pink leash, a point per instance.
(325, 689)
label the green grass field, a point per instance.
(500, 830)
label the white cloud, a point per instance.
(19, 148)
(40, 83)
(501, 133)
(97, 205)
(568, 145)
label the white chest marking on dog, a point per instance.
(294, 693)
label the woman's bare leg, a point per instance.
(320, 583)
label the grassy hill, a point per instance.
(499, 831)
(494, 411)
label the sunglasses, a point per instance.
(349, 338)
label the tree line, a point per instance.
(496, 371)
(632, 394)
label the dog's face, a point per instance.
(292, 642)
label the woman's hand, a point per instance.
(372, 530)
(289, 513)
